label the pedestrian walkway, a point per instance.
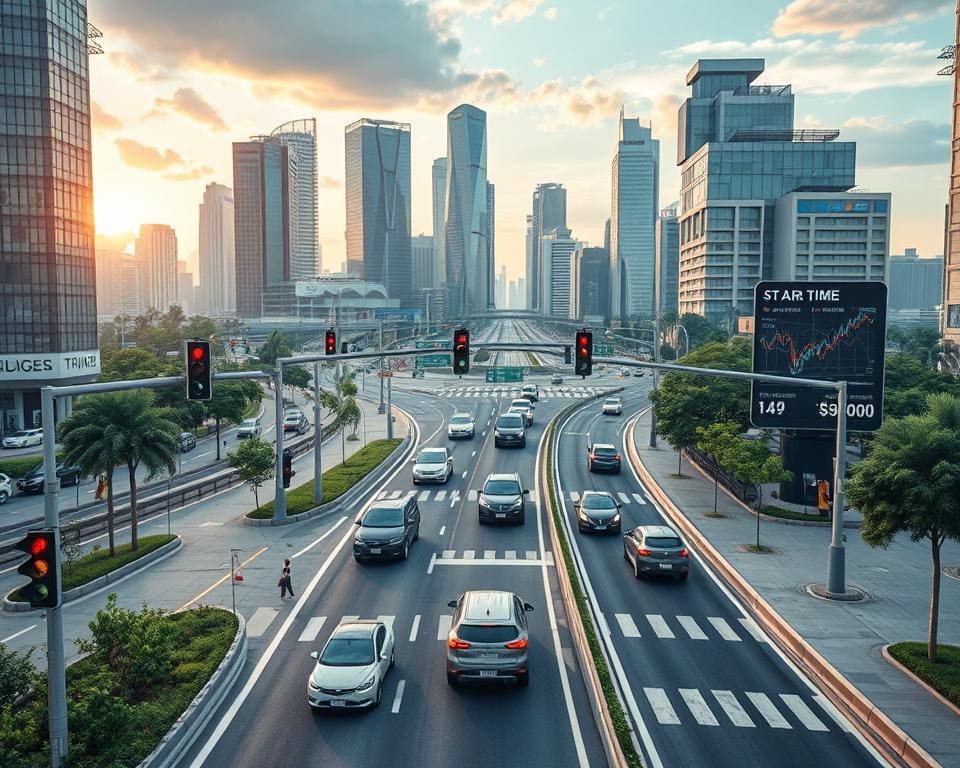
(850, 635)
(546, 393)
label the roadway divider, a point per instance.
(878, 729)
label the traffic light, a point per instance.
(331, 342)
(584, 364)
(461, 351)
(41, 567)
(288, 472)
(199, 371)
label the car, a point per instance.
(531, 392)
(295, 421)
(502, 498)
(524, 407)
(352, 666)
(461, 425)
(509, 430)
(603, 457)
(638, 372)
(6, 488)
(387, 530)
(248, 428)
(624, 372)
(488, 638)
(612, 406)
(656, 549)
(433, 465)
(556, 379)
(597, 511)
(32, 482)
(23, 438)
(188, 441)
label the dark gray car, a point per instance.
(597, 511)
(387, 530)
(509, 430)
(488, 638)
(501, 499)
(603, 457)
(656, 549)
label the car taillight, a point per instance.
(455, 642)
(616, 457)
(593, 455)
(643, 552)
(684, 553)
(516, 644)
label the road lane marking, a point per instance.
(751, 626)
(382, 495)
(424, 495)
(388, 620)
(473, 454)
(220, 581)
(468, 554)
(662, 708)
(464, 475)
(433, 562)
(660, 627)
(415, 628)
(692, 628)
(442, 529)
(803, 712)
(627, 625)
(768, 710)
(441, 495)
(698, 706)
(489, 554)
(261, 619)
(17, 634)
(448, 554)
(623, 497)
(316, 541)
(725, 630)
(574, 496)
(737, 714)
(399, 697)
(472, 494)
(348, 618)
(531, 554)
(443, 626)
(510, 554)
(454, 497)
(395, 494)
(639, 499)
(831, 710)
(312, 629)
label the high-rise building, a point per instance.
(439, 189)
(558, 276)
(668, 259)
(108, 269)
(593, 282)
(739, 153)
(378, 203)
(513, 295)
(467, 244)
(217, 292)
(915, 282)
(156, 250)
(48, 308)
(549, 214)
(529, 250)
(300, 136)
(261, 214)
(421, 248)
(501, 289)
(951, 251)
(635, 175)
(491, 229)
(186, 292)
(521, 293)
(127, 292)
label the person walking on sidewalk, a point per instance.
(284, 583)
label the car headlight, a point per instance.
(313, 686)
(516, 505)
(397, 540)
(368, 683)
(615, 518)
(497, 433)
(482, 500)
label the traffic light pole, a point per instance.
(389, 409)
(279, 497)
(317, 439)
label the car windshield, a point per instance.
(612, 401)
(348, 652)
(20, 434)
(431, 457)
(383, 517)
(293, 417)
(249, 423)
(520, 404)
(510, 422)
(598, 502)
(461, 419)
(598, 451)
(487, 633)
(502, 488)
(662, 542)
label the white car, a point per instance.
(6, 488)
(461, 425)
(351, 668)
(433, 465)
(612, 406)
(524, 407)
(249, 428)
(24, 438)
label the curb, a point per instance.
(878, 729)
(195, 717)
(102, 582)
(919, 681)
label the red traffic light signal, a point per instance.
(199, 371)
(41, 567)
(461, 351)
(330, 343)
(584, 363)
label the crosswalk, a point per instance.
(687, 627)
(621, 496)
(546, 393)
(452, 496)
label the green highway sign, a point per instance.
(432, 344)
(504, 375)
(601, 349)
(433, 361)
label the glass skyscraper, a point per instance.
(301, 137)
(378, 203)
(218, 272)
(48, 309)
(549, 214)
(668, 259)
(439, 179)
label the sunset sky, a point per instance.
(182, 79)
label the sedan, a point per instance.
(24, 438)
(460, 425)
(597, 511)
(32, 482)
(656, 549)
(603, 458)
(556, 379)
(387, 530)
(612, 406)
(6, 488)
(524, 407)
(188, 441)
(433, 465)
(352, 666)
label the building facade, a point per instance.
(501, 290)
(635, 201)
(217, 291)
(421, 248)
(951, 252)
(300, 137)
(668, 259)
(439, 192)
(558, 276)
(491, 238)
(156, 250)
(378, 203)
(914, 282)
(549, 214)
(593, 282)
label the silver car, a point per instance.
(248, 428)
(461, 425)
(433, 465)
(488, 638)
(6, 488)
(524, 407)
(656, 549)
(351, 668)
(24, 438)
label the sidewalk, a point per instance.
(849, 635)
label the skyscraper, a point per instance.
(668, 259)
(186, 290)
(156, 250)
(549, 214)
(48, 309)
(261, 214)
(593, 282)
(301, 137)
(378, 203)
(915, 282)
(558, 287)
(491, 230)
(439, 174)
(951, 245)
(421, 249)
(218, 274)
(467, 246)
(501, 289)
(636, 200)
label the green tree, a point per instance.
(17, 676)
(134, 363)
(275, 346)
(229, 401)
(296, 376)
(717, 440)
(347, 386)
(908, 383)
(700, 330)
(921, 343)
(751, 462)
(910, 483)
(254, 462)
(350, 413)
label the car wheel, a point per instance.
(406, 550)
(358, 558)
(376, 701)
(451, 679)
(393, 657)
(416, 536)
(683, 577)
(523, 519)
(523, 443)
(3, 497)
(523, 679)
(480, 520)
(636, 569)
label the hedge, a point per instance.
(943, 675)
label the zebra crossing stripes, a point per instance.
(312, 629)
(732, 708)
(767, 709)
(725, 630)
(803, 713)
(698, 706)
(627, 625)
(751, 626)
(692, 628)
(472, 494)
(660, 627)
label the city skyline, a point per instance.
(547, 117)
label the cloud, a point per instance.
(586, 101)
(539, 61)
(192, 175)
(891, 145)
(486, 88)
(188, 102)
(515, 10)
(138, 155)
(550, 13)
(103, 121)
(819, 17)
(809, 121)
(328, 182)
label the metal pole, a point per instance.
(56, 665)
(317, 439)
(381, 362)
(233, 579)
(836, 577)
(656, 378)
(389, 409)
(168, 504)
(279, 497)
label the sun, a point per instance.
(115, 213)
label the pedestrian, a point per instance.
(284, 583)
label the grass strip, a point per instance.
(621, 724)
(532, 359)
(336, 481)
(789, 514)
(20, 465)
(943, 675)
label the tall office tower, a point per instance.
(549, 214)
(156, 250)
(261, 215)
(739, 153)
(915, 282)
(217, 292)
(126, 287)
(951, 250)
(529, 250)
(491, 236)
(522, 292)
(439, 189)
(301, 137)
(185, 289)
(668, 259)
(421, 249)
(513, 296)
(558, 285)
(378, 203)
(606, 235)
(48, 307)
(636, 200)
(501, 289)
(593, 282)
(467, 245)
(108, 272)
